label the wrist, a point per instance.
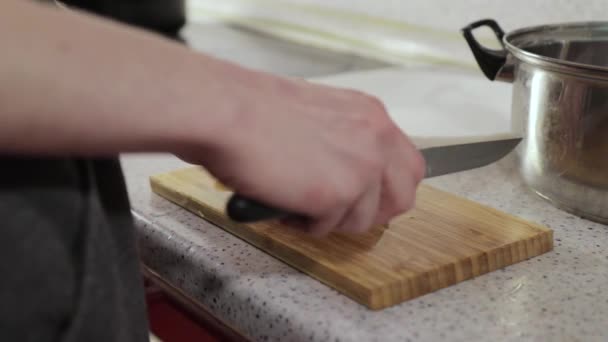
(210, 105)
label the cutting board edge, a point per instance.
(486, 263)
(361, 294)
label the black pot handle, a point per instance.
(490, 61)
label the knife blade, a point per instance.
(441, 160)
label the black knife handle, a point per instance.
(242, 209)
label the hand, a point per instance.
(333, 155)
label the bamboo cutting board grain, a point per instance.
(444, 240)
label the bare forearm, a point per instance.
(73, 85)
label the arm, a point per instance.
(73, 84)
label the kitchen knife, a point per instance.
(440, 160)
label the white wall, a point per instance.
(454, 14)
(396, 30)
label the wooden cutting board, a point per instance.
(446, 239)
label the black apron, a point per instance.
(69, 268)
(68, 263)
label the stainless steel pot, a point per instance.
(560, 104)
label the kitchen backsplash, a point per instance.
(453, 14)
(396, 31)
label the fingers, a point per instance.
(404, 173)
(383, 199)
(326, 223)
(357, 218)
(362, 214)
(398, 196)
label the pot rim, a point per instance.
(560, 64)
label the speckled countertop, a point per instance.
(559, 296)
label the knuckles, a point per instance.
(378, 122)
(375, 137)
(328, 196)
(320, 196)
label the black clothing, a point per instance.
(68, 259)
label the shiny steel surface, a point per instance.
(449, 159)
(579, 48)
(560, 102)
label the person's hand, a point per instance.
(329, 154)
(332, 155)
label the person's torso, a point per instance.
(67, 253)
